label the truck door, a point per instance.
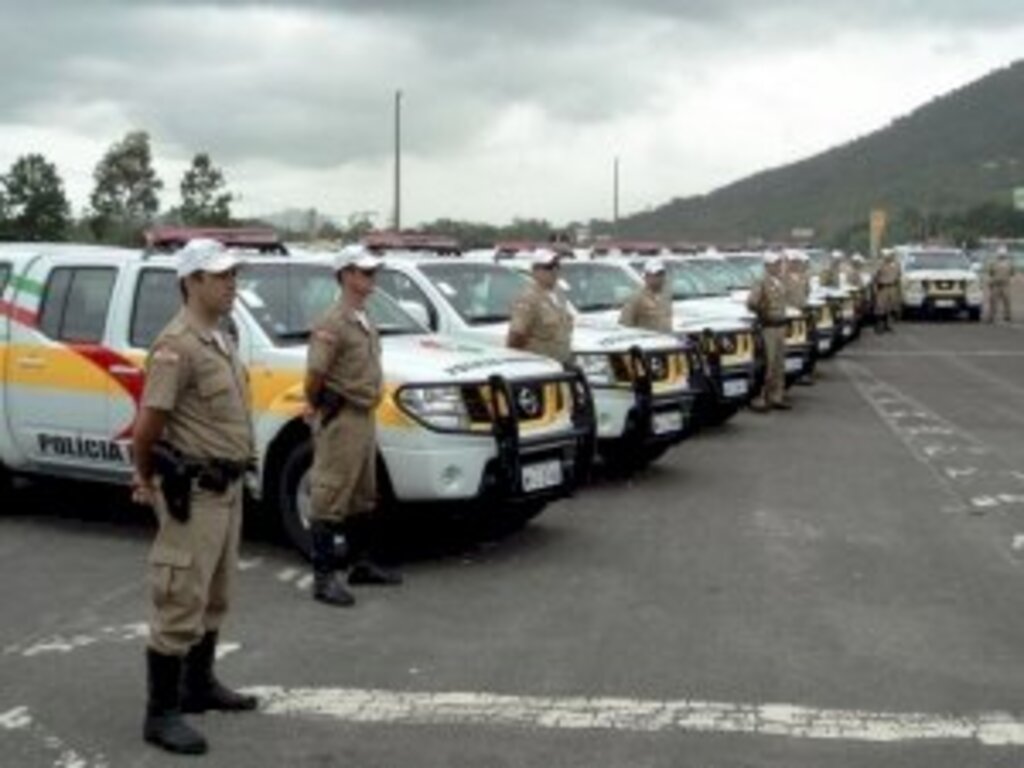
(58, 368)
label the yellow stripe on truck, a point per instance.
(36, 365)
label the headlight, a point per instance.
(597, 368)
(726, 344)
(438, 407)
(973, 288)
(913, 286)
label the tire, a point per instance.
(6, 484)
(719, 413)
(974, 314)
(293, 496)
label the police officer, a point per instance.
(541, 320)
(344, 384)
(797, 281)
(193, 443)
(650, 307)
(1000, 276)
(767, 300)
(887, 296)
(831, 277)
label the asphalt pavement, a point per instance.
(836, 586)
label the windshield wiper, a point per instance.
(397, 330)
(485, 319)
(294, 335)
(598, 307)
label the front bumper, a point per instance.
(942, 303)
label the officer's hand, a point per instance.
(143, 491)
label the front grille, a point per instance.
(533, 402)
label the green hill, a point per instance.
(960, 150)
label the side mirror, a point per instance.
(417, 312)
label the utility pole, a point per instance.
(615, 194)
(398, 162)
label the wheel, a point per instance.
(6, 483)
(719, 413)
(974, 314)
(293, 496)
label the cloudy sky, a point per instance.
(512, 107)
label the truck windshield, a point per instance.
(287, 299)
(597, 287)
(942, 260)
(685, 282)
(716, 275)
(747, 269)
(481, 293)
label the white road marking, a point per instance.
(287, 574)
(20, 720)
(305, 582)
(15, 719)
(245, 564)
(994, 729)
(226, 648)
(975, 476)
(125, 633)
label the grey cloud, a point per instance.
(461, 62)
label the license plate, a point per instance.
(945, 304)
(824, 345)
(794, 364)
(666, 423)
(737, 388)
(538, 477)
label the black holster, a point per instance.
(329, 403)
(176, 476)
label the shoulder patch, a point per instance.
(166, 355)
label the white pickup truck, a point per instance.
(460, 421)
(640, 380)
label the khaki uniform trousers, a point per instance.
(344, 474)
(775, 365)
(887, 302)
(192, 569)
(999, 296)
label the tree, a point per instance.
(33, 205)
(204, 198)
(125, 200)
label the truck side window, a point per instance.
(401, 288)
(76, 301)
(157, 301)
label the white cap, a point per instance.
(544, 257)
(1003, 251)
(355, 256)
(837, 255)
(858, 259)
(798, 256)
(654, 267)
(205, 255)
(772, 257)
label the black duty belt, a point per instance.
(887, 285)
(775, 323)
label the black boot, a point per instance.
(360, 534)
(164, 726)
(201, 691)
(326, 587)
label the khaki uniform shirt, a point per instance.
(649, 310)
(767, 300)
(888, 274)
(855, 278)
(798, 289)
(1000, 272)
(543, 317)
(347, 354)
(195, 375)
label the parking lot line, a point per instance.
(368, 706)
